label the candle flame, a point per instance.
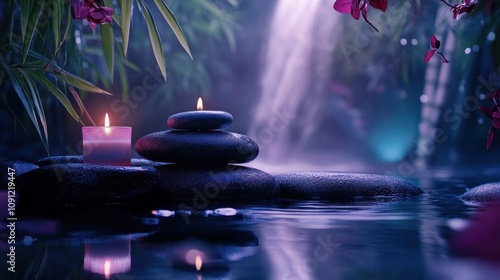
(107, 269)
(106, 120)
(199, 105)
(198, 262)
(106, 124)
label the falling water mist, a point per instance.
(294, 77)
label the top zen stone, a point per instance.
(200, 120)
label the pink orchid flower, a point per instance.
(494, 115)
(459, 9)
(93, 12)
(435, 44)
(359, 7)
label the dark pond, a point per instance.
(290, 240)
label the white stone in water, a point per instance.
(226, 211)
(163, 213)
(457, 223)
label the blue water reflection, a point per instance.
(290, 240)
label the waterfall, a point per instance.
(294, 76)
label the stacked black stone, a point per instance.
(202, 157)
(196, 139)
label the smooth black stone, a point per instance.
(200, 148)
(342, 186)
(489, 192)
(79, 159)
(83, 185)
(202, 120)
(20, 168)
(199, 186)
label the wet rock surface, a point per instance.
(200, 120)
(200, 185)
(79, 159)
(74, 184)
(342, 186)
(18, 167)
(489, 192)
(197, 147)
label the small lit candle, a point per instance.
(107, 145)
(200, 119)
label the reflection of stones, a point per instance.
(489, 192)
(342, 186)
(215, 245)
(86, 184)
(81, 225)
(200, 120)
(197, 147)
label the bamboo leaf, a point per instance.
(79, 82)
(126, 14)
(154, 37)
(124, 81)
(10, 18)
(108, 46)
(39, 77)
(26, 7)
(36, 12)
(37, 103)
(174, 25)
(55, 9)
(76, 96)
(22, 89)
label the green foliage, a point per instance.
(42, 50)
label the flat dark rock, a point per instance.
(489, 192)
(19, 167)
(342, 186)
(197, 147)
(200, 120)
(79, 159)
(74, 184)
(198, 186)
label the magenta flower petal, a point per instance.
(379, 4)
(97, 15)
(79, 10)
(495, 96)
(491, 136)
(487, 111)
(355, 12)
(429, 55)
(496, 123)
(343, 6)
(435, 43)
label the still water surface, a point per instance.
(378, 239)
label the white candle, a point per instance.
(107, 145)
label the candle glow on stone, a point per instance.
(199, 105)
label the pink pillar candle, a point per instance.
(107, 145)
